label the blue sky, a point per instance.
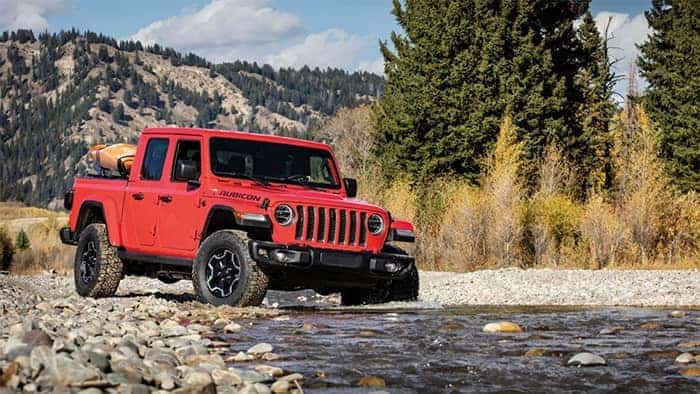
(321, 33)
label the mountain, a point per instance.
(62, 92)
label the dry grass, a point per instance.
(644, 223)
(46, 252)
(14, 210)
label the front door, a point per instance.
(180, 214)
(141, 200)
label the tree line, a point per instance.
(458, 68)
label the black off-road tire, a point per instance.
(252, 284)
(108, 267)
(364, 296)
(405, 289)
(168, 280)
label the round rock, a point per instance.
(371, 381)
(502, 327)
(586, 360)
(677, 314)
(260, 348)
(685, 358)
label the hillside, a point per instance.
(62, 92)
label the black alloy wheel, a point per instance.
(223, 273)
(88, 264)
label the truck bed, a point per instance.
(108, 193)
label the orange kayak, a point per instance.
(117, 157)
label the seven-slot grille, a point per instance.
(331, 225)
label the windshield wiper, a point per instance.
(257, 180)
(298, 179)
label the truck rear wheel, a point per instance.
(364, 296)
(97, 268)
(405, 289)
(225, 274)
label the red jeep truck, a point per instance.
(238, 214)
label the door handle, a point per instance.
(137, 196)
(165, 198)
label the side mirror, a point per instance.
(350, 186)
(186, 171)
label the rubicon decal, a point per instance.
(239, 196)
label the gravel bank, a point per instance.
(141, 341)
(562, 287)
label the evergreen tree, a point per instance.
(670, 64)
(22, 241)
(460, 66)
(441, 107)
(7, 249)
(541, 93)
(118, 113)
(596, 82)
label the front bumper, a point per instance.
(351, 265)
(67, 236)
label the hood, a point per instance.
(247, 192)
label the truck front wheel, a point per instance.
(97, 268)
(225, 274)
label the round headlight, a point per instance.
(375, 224)
(284, 215)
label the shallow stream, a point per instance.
(422, 348)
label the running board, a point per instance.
(147, 258)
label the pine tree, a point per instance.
(7, 249)
(542, 95)
(441, 108)
(22, 241)
(118, 113)
(460, 66)
(670, 64)
(596, 82)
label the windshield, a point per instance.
(266, 161)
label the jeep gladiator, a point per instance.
(237, 213)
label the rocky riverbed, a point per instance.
(157, 337)
(137, 342)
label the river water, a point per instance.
(424, 348)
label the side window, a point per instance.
(153, 161)
(188, 152)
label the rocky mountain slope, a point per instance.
(62, 92)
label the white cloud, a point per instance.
(27, 14)
(375, 66)
(624, 31)
(222, 24)
(330, 48)
(227, 30)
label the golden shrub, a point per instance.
(504, 193)
(552, 221)
(603, 232)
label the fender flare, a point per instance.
(240, 224)
(109, 215)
